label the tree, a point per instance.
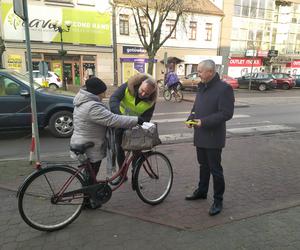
(149, 17)
(2, 49)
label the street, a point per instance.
(261, 202)
(270, 112)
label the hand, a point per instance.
(198, 123)
(140, 120)
(193, 123)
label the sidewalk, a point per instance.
(261, 205)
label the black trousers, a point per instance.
(96, 167)
(210, 164)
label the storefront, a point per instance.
(87, 44)
(239, 66)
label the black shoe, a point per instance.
(216, 208)
(196, 196)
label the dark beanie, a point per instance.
(95, 86)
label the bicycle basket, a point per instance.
(139, 138)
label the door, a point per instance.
(14, 107)
(68, 73)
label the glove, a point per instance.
(140, 120)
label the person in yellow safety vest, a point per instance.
(135, 97)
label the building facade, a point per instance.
(193, 40)
(265, 36)
(88, 43)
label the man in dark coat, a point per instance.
(213, 106)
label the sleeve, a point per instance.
(225, 110)
(104, 117)
(116, 98)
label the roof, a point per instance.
(193, 6)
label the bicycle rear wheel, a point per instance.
(39, 205)
(153, 178)
(178, 96)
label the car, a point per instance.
(52, 79)
(297, 80)
(260, 81)
(192, 80)
(284, 80)
(54, 111)
(231, 81)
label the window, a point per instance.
(124, 24)
(193, 28)
(144, 26)
(170, 24)
(208, 31)
(8, 87)
(60, 1)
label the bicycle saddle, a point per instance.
(81, 148)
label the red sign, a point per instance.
(245, 62)
(295, 64)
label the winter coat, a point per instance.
(214, 105)
(133, 85)
(91, 119)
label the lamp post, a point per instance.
(58, 27)
(252, 61)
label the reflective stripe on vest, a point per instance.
(128, 107)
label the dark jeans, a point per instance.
(96, 167)
(210, 163)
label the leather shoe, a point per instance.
(216, 208)
(196, 196)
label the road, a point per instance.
(270, 112)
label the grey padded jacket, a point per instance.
(91, 119)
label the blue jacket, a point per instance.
(214, 105)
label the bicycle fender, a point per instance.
(26, 179)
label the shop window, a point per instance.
(170, 24)
(208, 31)
(124, 24)
(193, 30)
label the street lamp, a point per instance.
(252, 62)
(58, 27)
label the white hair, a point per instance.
(208, 64)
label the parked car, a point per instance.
(284, 80)
(297, 80)
(55, 111)
(52, 79)
(231, 81)
(259, 81)
(192, 80)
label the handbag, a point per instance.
(140, 138)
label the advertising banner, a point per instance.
(88, 27)
(14, 62)
(245, 62)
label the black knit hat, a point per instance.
(95, 86)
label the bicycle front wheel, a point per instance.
(40, 204)
(153, 178)
(167, 94)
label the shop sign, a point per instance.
(14, 62)
(88, 27)
(133, 50)
(245, 62)
(295, 64)
(251, 52)
(281, 59)
(137, 60)
(262, 53)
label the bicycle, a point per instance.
(52, 197)
(176, 93)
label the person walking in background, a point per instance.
(135, 97)
(213, 106)
(171, 78)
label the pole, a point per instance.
(115, 52)
(250, 80)
(35, 131)
(62, 58)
